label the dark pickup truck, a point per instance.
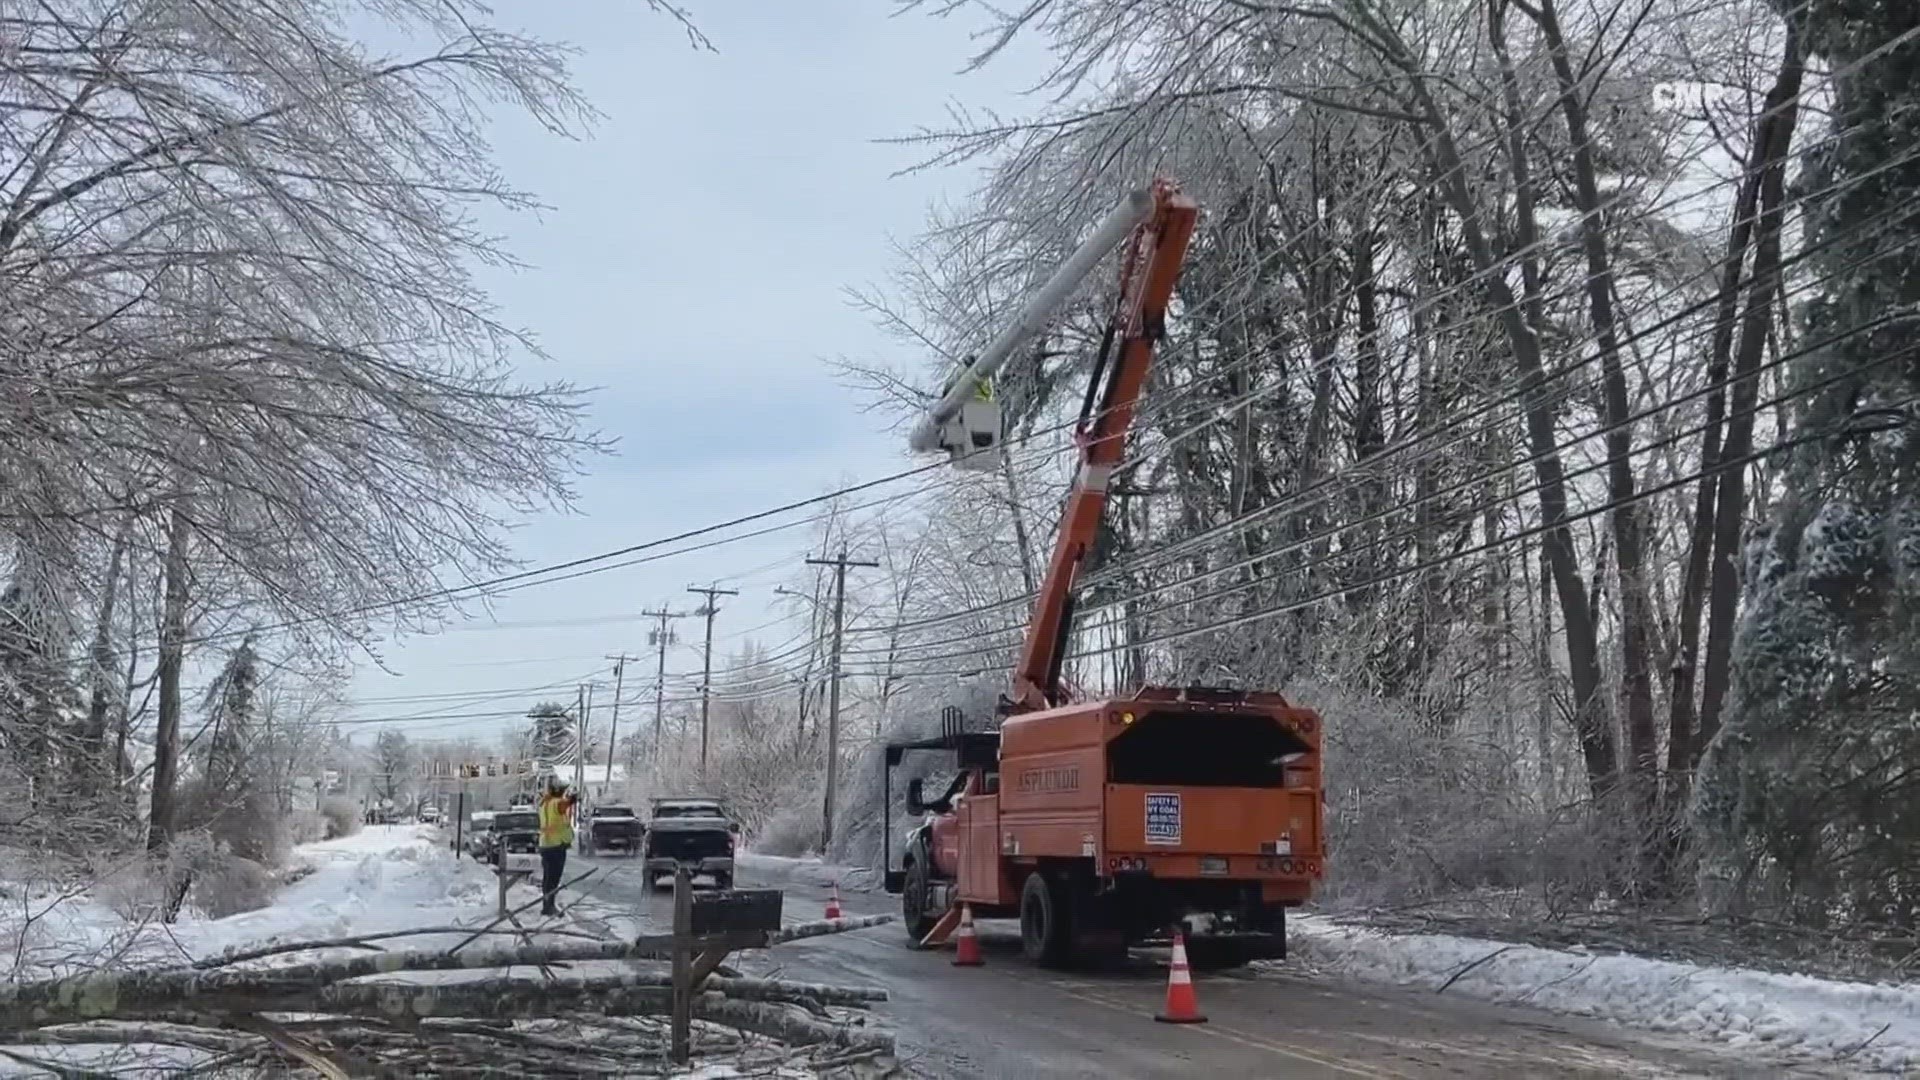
(694, 833)
(513, 840)
(611, 827)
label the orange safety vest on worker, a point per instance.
(556, 819)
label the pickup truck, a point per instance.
(611, 826)
(513, 840)
(694, 833)
(478, 825)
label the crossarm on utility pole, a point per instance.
(1033, 318)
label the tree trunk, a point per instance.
(1022, 543)
(1685, 737)
(1755, 323)
(173, 643)
(102, 683)
(1636, 607)
(1598, 744)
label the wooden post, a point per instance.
(681, 1050)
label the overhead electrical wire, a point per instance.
(1235, 525)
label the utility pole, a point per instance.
(661, 637)
(709, 609)
(840, 565)
(580, 739)
(613, 729)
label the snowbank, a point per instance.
(1872, 1027)
(386, 877)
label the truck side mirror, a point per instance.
(733, 827)
(916, 803)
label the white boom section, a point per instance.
(1133, 210)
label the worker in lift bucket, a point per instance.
(556, 836)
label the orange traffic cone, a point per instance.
(1182, 1006)
(967, 943)
(833, 902)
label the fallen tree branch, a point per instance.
(474, 1015)
(109, 1032)
(315, 1058)
(512, 912)
(1456, 976)
(787, 1026)
(745, 989)
(822, 927)
(64, 1072)
(366, 941)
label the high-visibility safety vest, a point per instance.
(556, 820)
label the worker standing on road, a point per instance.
(556, 836)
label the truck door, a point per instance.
(980, 879)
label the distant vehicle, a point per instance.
(611, 826)
(521, 800)
(479, 824)
(429, 815)
(694, 833)
(513, 840)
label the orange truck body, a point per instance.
(1088, 797)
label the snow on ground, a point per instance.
(1864, 1025)
(386, 877)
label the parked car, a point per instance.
(611, 827)
(479, 834)
(691, 832)
(514, 840)
(429, 815)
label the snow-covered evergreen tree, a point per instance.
(1809, 800)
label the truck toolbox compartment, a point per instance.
(1212, 821)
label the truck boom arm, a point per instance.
(1125, 218)
(1148, 275)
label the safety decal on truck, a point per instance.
(1163, 818)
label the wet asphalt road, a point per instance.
(1009, 1019)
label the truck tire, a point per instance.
(913, 895)
(1046, 937)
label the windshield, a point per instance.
(678, 810)
(504, 822)
(613, 811)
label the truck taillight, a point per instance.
(1122, 864)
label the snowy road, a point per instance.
(1010, 1019)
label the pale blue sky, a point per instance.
(693, 266)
